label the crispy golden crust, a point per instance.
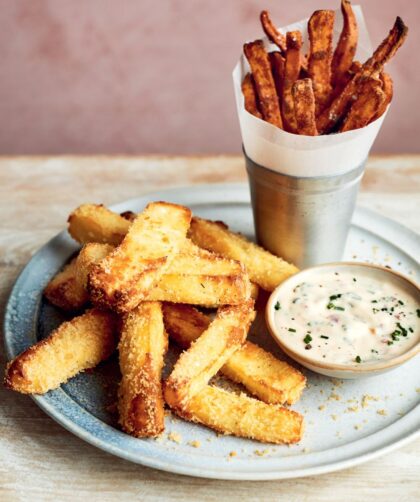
(320, 31)
(142, 349)
(388, 89)
(273, 34)
(208, 353)
(264, 84)
(269, 379)
(265, 269)
(65, 291)
(250, 97)
(291, 74)
(73, 347)
(242, 416)
(346, 46)
(304, 107)
(129, 216)
(125, 277)
(90, 254)
(96, 223)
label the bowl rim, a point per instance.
(361, 367)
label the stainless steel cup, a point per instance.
(305, 220)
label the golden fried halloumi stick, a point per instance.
(208, 353)
(264, 84)
(243, 416)
(250, 98)
(273, 34)
(346, 46)
(96, 223)
(142, 348)
(320, 31)
(125, 277)
(265, 269)
(73, 347)
(291, 74)
(90, 254)
(388, 89)
(265, 376)
(65, 291)
(304, 107)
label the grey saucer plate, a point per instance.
(347, 423)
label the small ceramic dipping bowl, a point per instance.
(356, 368)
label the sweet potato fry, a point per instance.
(320, 31)
(243, 416)
(250, 98)
(264, 84)
(338, 108)
(304, 107)
(73, 347)
(273, 34)
(125, 277)
(265, 269)
(366, 106)
(271, 380)
(142, 348)
(291, 74)
(208, 353)
(277, 69)
(388, 89)
(346, 46)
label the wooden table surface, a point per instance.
(39, 460)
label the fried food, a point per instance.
(64, 290)
(304, 107)
(264, 84)
(208, 353)
(388, 89)
(73, 347)
(320, 31)
(346, 46)
(273, 34)
(291, 74)
(277, 69)
(250, 98)
(89, 255)
(366, 106)
(265, 269)
(125, 277)
(142, 349)
(269, 379)
(96, 223)
(243, 416)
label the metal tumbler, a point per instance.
(305, 220)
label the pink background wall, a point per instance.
(154, 76)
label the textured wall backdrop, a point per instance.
(154, 76)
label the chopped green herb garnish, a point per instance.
(335, 297)
(374, 351)
(339, 308)
(390, 343)
(307, 339)
(292, 330)
(375, 311)
(403, 330)
(374, 301)
(277, 306)
(418, 312)
(411, 330)
(354, 279)
(326, 337)
(358, 359)
(400, 302)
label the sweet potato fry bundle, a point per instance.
(337, 80)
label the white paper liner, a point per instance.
(305, 156)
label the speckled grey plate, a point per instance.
(346, 422)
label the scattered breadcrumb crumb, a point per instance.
(353, 409)
(306, 450)
(195, 444)
(357, 427)
(334, 417)
(417, 390)
(321, 391)
(232, 454)
(321, 407)
(334, 396)
(366, 398)
(175, 437)
(261, 453)
(382, 412)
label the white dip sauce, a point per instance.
(339, 317)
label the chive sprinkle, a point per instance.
(418, 312)
(326, 337)
(277, 306)
(335, 297)
(400, 302)
(358, 359)
(292, 330)
(307, 339)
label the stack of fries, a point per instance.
(324, 91)
(142, 278)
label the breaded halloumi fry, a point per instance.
(265, 269)
(73, 347)
(265, 376)
(243, 416)
(208, 353)
(142, 349)
(124, 278)
(96, 223)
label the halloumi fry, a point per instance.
(335, 112)
(65, 291)
(89, 255)
(96, 223)
(250, 98)
(265, 269)
(142, 349)
(366, 106)
(320, 31)
(264, 84)
(277, 69)
(388, 89)
(271, 380)
(73, 347)
(242, 416)
(208, 353)
(291, 74)
(125, 277)
(304, 107)
(346, 46)
(273, 34)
